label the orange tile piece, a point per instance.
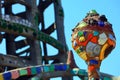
(74, 47)
(91, 68)
(94, 39)
(111, 42)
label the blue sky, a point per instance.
(75, 11)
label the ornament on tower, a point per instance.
(93, 39)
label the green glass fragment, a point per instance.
(52, 68)
(93, 12)
(82, 72)
(35, 78)
(80, 33)
(33, 70)
(22, 72)
(107, 78)
(75, 71)
(46, 68)
(78, 50)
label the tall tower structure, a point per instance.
(26, 24)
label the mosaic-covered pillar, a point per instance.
(35, 49)
(59, 21)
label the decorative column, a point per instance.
(35, 49)
(59, 21)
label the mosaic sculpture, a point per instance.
(93, 39)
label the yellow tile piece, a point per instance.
(1, 77)
(82, 39)
(83, 55)
(82, 24)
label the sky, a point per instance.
(74, 12)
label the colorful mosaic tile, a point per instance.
(23, 72)
(82, 72)
(46, 68)
(107, 78)
(94, 39)
(75, 71)
(7, 76)
(1, 77)
(82, 24)
(52, 67)
(102, 38)
(95, 33)
(80, 33)
(90, 48)
(28, 71)
(38, 69)
(93, 62)
(83, 55)
(96, 50)
(101, 23)
(15, 74)
(111, 37)
(33, 70)
(82, 39)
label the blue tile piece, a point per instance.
(95, 33)
(85, 33)
(7, 76)
(111, 37)
(38, 70)
(101, 23)
(75, 44)
(65, 67)
(60, 67)
(93, 62)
